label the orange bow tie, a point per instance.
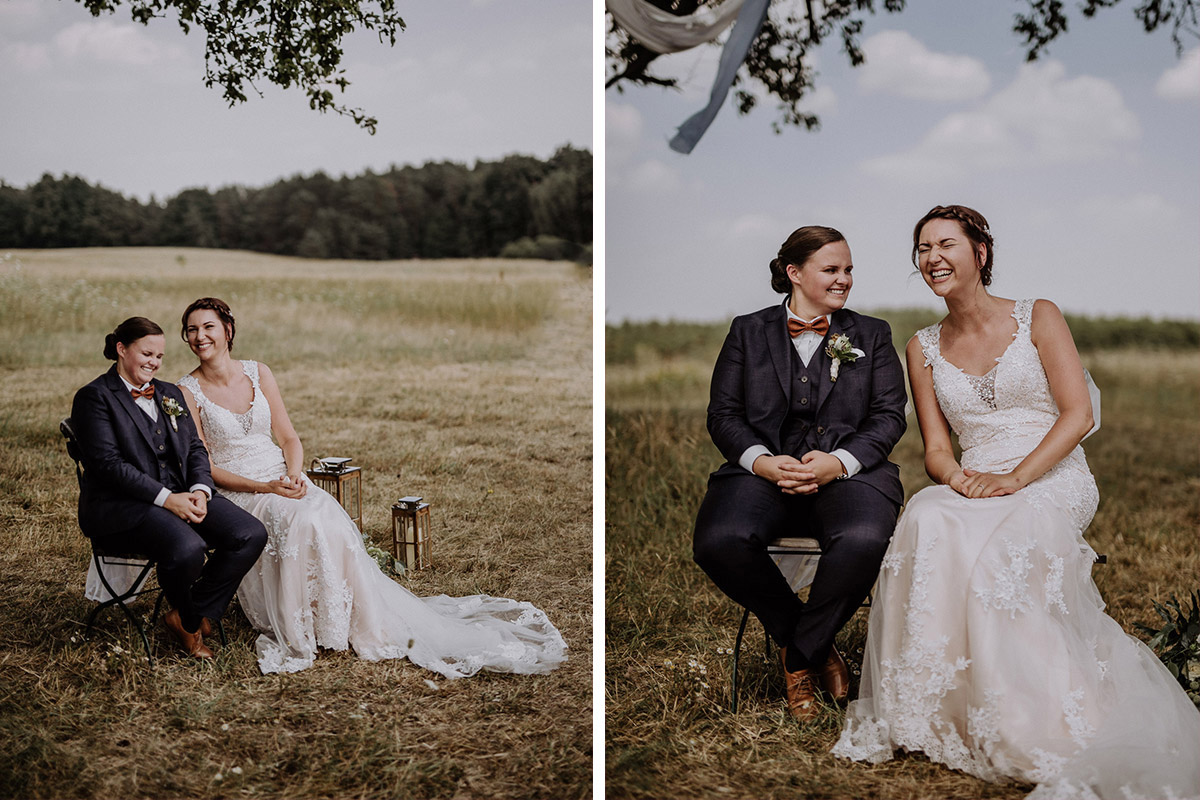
(820, 326)
(148, 392)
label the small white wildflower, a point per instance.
(225, 726)
(218, 777)
(236, 770)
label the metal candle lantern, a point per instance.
(341, 481)
(410, 532)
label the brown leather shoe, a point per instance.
(835, 676)
(206, 627)
(193, 643)
(801, 691)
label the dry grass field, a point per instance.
(669, 730)
(466, 382)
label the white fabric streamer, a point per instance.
(664, 32)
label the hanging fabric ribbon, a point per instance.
(749, 22)
(664, 32)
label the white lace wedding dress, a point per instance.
(316, 586)
(987, 646)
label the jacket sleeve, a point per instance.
(885, 421)
(727, 419)
(103, 460)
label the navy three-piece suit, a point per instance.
(128, 459)
(763, 394)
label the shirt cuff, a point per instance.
(200, 487)
(752, 452)
(851, 464)
(163, 494)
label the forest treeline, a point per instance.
(518, 206)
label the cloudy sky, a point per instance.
(1084, 162)
(124, 105)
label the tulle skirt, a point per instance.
(989, 651)
(316, 586)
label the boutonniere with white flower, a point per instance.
(840, 349)
(174, 410)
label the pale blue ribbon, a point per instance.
(749, 21)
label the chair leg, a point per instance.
(737, 651)
(119, 601)
(221, 630)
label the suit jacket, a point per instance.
(862, 412)
(120, 464)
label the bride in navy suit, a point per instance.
(807, 401)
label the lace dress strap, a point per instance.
(930, 339)
(251, 370)
(190, 383)
(1023, 314)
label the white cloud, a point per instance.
(106, 41)
(623, 125)
(27, 57)
(1139, 211)
(897, 63)
(1042, 118)
(1182, 81)
(653, 177)
(821, 101)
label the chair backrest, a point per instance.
(68, 433)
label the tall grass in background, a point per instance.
(669, 630)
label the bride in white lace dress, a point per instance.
(315, 585)
(987, 646)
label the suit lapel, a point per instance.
(779, 346)
(125, 400)
(839, 322)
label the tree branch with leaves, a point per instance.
(284, 42)
(779, 62)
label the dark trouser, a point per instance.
(194, 586)
(742, 513)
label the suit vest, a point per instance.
(169, 471)
(797, 436)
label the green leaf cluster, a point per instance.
(284, 42)
(1176, 641)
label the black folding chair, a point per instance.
(789, 546)
(104, 557)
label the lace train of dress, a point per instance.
(988, 648)
(316, 586)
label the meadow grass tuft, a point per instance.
(668, 630)
(468, 383)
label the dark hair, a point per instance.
(222, 311)
(129, 332)
(798, 248)
(973, 225)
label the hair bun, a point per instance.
(110, 347)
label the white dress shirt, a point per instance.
(148, 405)
(806, 345)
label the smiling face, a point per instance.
(140, 359)
(822, 283)
(205, 334)
(947, 259)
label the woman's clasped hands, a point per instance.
(799, 476)
(970, 483)
(292, 486)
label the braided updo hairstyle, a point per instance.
(973, 225)
(129, 332)
(217, 306)
(798, 248)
